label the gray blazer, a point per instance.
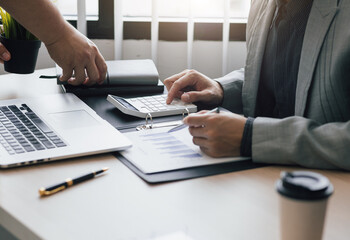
(318, 136)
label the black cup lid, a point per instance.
(304, 185)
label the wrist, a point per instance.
(66, 32)
(219, 92)
(247, 138)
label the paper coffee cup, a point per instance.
(302, 204)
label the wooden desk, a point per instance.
(119, 205)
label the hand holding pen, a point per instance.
(181, 126)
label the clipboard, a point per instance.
(189, 173)
(126, 123)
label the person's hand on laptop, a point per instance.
(192, 86)
(4, 54)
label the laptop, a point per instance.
(51, 128)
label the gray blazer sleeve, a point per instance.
(232, 84)
(297, 140)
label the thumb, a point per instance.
(194, 96)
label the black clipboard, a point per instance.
(126, 123)
(189, 173)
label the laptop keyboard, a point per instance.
(21, 130)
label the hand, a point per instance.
(217, 134)
(192, 86)
(72, 51)
(4, 54)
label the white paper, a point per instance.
(156, 150)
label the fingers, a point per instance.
(184, 81)
(198, 131)
(66, 74)
(75, 53)
(170, 80)
(201, 142)
(4, 54)
(197, 119)
(192, 86)
(102, 68)
(88, 76)
(80, 77)
(194, 96)
(93, 75)
(173, 87)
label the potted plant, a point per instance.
(22, 45)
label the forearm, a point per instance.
(40, 17)
(297, 140)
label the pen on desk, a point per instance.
(181, 126)
(69, 182)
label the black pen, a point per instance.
(69, 182)
(181, 126)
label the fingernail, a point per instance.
(5, 56)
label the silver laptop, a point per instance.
(53, 127)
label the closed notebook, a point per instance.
(123, 77)
(127, 72)
(132, 72)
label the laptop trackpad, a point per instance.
(73, 119)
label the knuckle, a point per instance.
(176, 84)
(166, 81)
(88, 55)
(85, 55)
(94, 48)
(192, 73)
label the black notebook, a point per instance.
(104, 90)
(123, 76)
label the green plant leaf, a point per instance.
(12, 29)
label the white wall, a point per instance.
(207, 55)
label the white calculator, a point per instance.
(155, 106)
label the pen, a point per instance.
(181, 126)
(69, 182)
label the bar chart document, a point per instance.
(156, 150)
